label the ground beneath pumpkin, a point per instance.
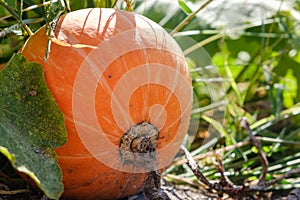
(174, 192)
(184, 192)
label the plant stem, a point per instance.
(15, 15)
(256, 143)
(194, 167)
(128, 5)
(189, 17)
(202, 43)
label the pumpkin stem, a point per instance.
(138, 148)
(152, 187)
(138, 144)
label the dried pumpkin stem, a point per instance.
(152, 187)
(138, 146)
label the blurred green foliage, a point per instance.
(255, 48)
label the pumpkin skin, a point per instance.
(108, 71)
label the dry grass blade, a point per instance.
(189, 17)
(11, 192)
(211, 153)
(15, 15)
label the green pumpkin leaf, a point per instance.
(31, 124)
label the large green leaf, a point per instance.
(31, 124)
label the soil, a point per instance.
(174, 192)
(184, 192)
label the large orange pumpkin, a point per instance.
(124, 88)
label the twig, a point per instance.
(263, 159)
(10, 192)
(225, 185)
(194, 167)
(225, 181)
(267, 184)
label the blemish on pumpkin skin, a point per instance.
(88, 183)
(110, 76)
